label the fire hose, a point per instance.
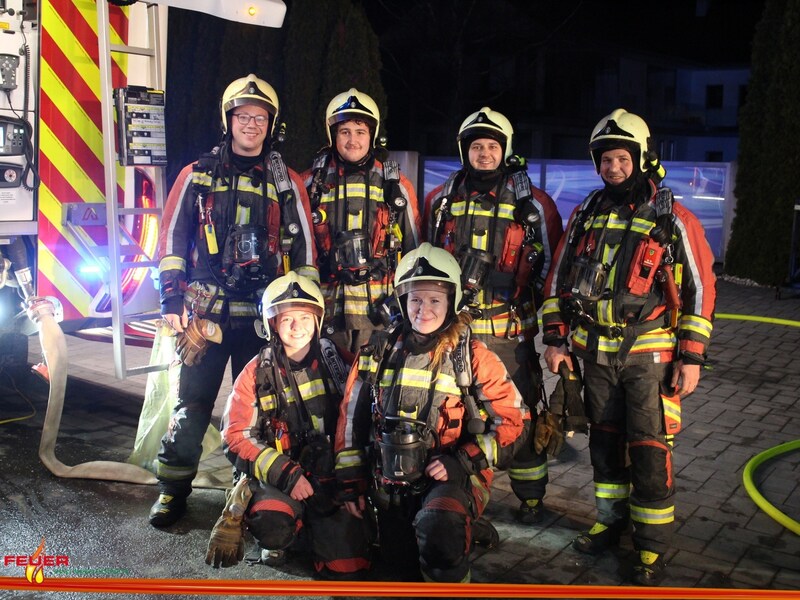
(54, 346)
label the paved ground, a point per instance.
(747, 402)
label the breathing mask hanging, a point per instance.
(587, 278)
(245, 256)
(404, 446)
(351, 256)
(475, 268)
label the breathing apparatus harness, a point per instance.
(357, 256)
(651, 262)
(403, 444)
(242, 268)
(273, 377)
(522, 255)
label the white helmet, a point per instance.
(250, 90)
(432, 265)
(352, 105)
(620, 129)
(292, 292)
(486, 123)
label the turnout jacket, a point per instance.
(482, 221)
(249, 197)
(353, 198)
(404, 385)
(262, 429)
(640, 322)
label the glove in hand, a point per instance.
(226, 545)
(193, 342)
(549, 433)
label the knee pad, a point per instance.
(273, 529)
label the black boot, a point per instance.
(649, 569)
(484, 534)
(598, 539)
(530, 512)
(167, 510)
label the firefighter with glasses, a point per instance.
(278, 429)
(633, 288)
(234, 220)
(411, 438)
(365, 218)
(502, 230)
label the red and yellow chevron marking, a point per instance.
(71, 150)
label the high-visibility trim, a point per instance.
(652, 516)
(530, 474)
(54, 270)
(616, 491)
(264, 461)
(672, 409)
(348, 458)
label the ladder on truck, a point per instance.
(120, 242)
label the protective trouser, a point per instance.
(625, 411)
(528, 471)
(443, 527)
(340, 543)
(199, 385)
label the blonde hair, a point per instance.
(448, 339)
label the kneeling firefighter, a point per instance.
(234, 219)
(411, 435)
(277, 429)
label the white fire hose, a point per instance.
(54, 346)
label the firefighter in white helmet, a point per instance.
(430, 465)
(365, 218)
(278, 429)
(234, 220)
(633, 288)
(502, 230)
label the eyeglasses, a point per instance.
(244, 119)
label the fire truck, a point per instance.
(82, 160)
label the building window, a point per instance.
(714, 96)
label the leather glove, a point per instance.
(193, 342)
(549, 433)
(226, 545)
(573, 397)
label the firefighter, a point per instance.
(365, 217)
(502, 230)
(402, 438)
(633, 280)
(278, 429)
(234, 219)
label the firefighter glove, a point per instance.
(573, 398)
(193, 342)
(549, 433)
(226, 545)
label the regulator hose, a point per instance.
(755, 495)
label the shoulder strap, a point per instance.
(334, 363)
(522, 186)
(461, 356)
(280, 173)
(318, 170)
(380, 343)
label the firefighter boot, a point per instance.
(484, 534)
(599, 538)
(530, 512)
(167, 510)
(649, 570)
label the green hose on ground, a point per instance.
(755, 495)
